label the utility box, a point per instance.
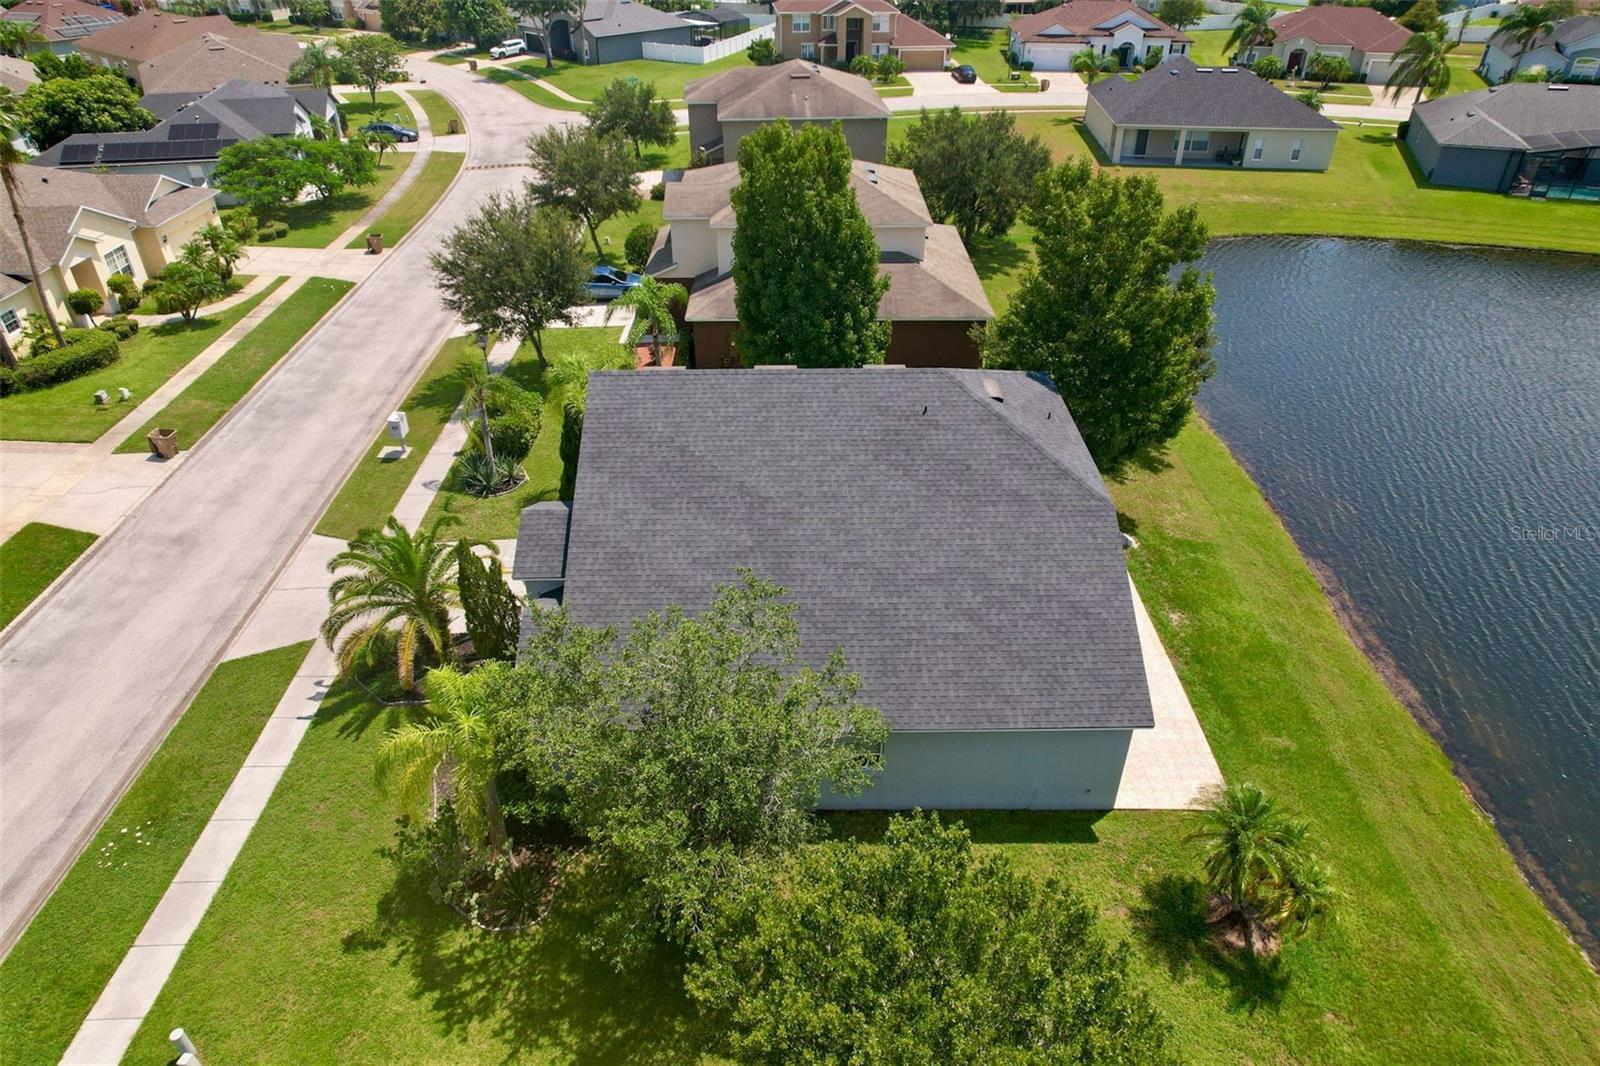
(398, 426)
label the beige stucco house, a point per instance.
(161, 52)
(86, 227)
(1359, 35)
(1052, 39)
(728, 106)
(836, 31)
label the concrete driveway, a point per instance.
(97, 673)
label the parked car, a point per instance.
(393, 129)
(965, 75)
(607, 283)
(514, 46)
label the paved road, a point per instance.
(90, 682)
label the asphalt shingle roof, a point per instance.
(541, 541)
(51, 200)
(615, 18)
(1082, 19)
(1178, 93)
(796, 89)
(1519, 116)
(1566, 33)
(1361, 28)
(963, 551)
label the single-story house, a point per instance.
(167, 53)
(1051, 39)
(1571, 49)
(86, 227)
(836, 31)
(1359, 35)
(607, 31)
(946, 528)
(1526, 139)
(194, 129)
(934, 299)
(1178, 114)
(727, 106)
(61, 24)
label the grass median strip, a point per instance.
(422, 194)
(57, 969)
(440, 111)
(531, 89)
(31, 558)
(211, 395)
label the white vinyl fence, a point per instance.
(688, 53)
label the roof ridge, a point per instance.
(1098, 491)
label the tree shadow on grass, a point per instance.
(1170, 920)
(352, 711)
(986, 826)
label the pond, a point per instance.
(1426, 422)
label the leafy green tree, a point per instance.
(641, 239)
(310, 12)
(651, 303)
(393, 576)
(513, 267)
(1181, 14)
(629, 109)
(948, 16)
(589, 174)
(805, 262)
(1529, 23)
(264, 173)
(493, 615)
(483, 22)
(864, 66)
(890, 67)
(49, 66)
(1423, 63)
(1126, 342)
(694, 747)
(414, 20)
(333, 166)
(1251, 27)
(542, 13)
(54, 110)
(455, 732)
(18, 38)
(762, 52)
(917, 951)
(1328, 68)
(376, 60)
(186, 285)
(11, 157)
(1424, 17)
(976, 170)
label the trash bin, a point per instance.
(454, 127)
(163, 442)
(472, 64)
(374, 243)
(1044, 85)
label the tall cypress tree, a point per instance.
(805, 262)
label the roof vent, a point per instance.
(1204, 70)
(1173, 72)
(1558, 88)
(1230, 70)
(872, 174)
(991, 388)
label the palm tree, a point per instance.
(457, 733)
(1528, 23)
(569, 371)
(317, 64)
(399, 577)
(10, 158)
(1253, 26)
(1086, 65)
(1251, 848)
(15, 37)
(1424, 64)
(652, 305)
(224, 246)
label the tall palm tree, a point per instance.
(652, 303)
(1424, 64)
(10, 158)
(457, 732)
(1529, 22)
(317, 64)
(1252, 26)
(395, 577)
(1251, 847)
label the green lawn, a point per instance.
(496, 518)
(1337, 93)
(586, 82)
(985, 51)
(1441, 952)
(56, 971)
(211, 395)
(614, 231)
(360, 108)
(1464, 76)
(31, 558)
(1206, 51)
(437, 174)
(67, 412)
(530, 89)
(318, 223)
(440, 111)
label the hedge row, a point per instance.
(86, 350)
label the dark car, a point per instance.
(393, 129)
(965, 75)
(607, 283)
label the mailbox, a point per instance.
(398, 426)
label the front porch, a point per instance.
(1179, 147)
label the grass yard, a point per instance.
(1207, 49)
(373, 489)
(985, 51)
(614, 231)
(1337, 93)
(318, 223)
(57, 969)
(530, 89)
(587, 82)
(437, 174)
(496, 518)
(1441, 952)
(212, 395)
(1464, 76)
(440, 111)
(67, 412)
(31, 558)
(358, 108)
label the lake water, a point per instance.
(1426, 421)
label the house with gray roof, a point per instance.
(194, 129)
(1570, 50)
(1178, 114)
(1527, 139)
(946, 528)
(607, 31)
(727, 106)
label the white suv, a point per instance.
(514, 47)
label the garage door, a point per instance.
(1050, 56)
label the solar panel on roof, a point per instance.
(77, 153)
(117, 153)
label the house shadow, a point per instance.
(1169, 921)
(986, 826)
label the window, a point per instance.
(827, 22)
(880, 49)
(117, 260)
(880, 23)
(1258, 148)
(1197, 141)
(806, 51)
(8, 319)
(1294, 151)
(801, 24)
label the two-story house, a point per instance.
(836, 31)
(1051, 40)
(727, 106)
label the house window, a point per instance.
(806, 51)
(827, 22)
(880, 49)
(1258, 148)
(1294, 151)
(1197, 141)
(880, 23)
(8, 319)
(801, 24)
(117, 260)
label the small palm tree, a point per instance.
(11, 158)
(216, 248)
(1086, 65)
(652, 303)
(317, 64)
(397, 577)
(17, 37)
(1424, 64)
(1251, 847)
(569, 371)
(457, 732)
(1252, 26)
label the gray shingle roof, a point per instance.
(615, 18)
(1519, 116)
(1564, 35)
(795, 89)
(1178, 93)
(963, 551)
(542, 542)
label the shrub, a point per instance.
(479, 478)
(120, 326)
(890, 67)
(85, 302)
(762, 52)
(641, 239)
(491, 608)
(86, 350)
(10, 382)
(126, 290)
(1027, 65)
(658, 191)
(865, 66)
(271, 231)
(1153, 59)
(1269, 68)
(571, 440)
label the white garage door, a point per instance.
(1051, 56)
